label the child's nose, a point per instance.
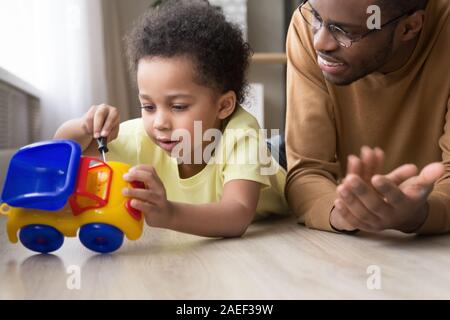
(162, 121)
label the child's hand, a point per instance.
(102, 121)
(151, 201)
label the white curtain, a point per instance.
(57, 46)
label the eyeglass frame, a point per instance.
(359, 37)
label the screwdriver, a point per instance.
(102, 148)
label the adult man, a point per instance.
(352, 87)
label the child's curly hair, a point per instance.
(200, 31)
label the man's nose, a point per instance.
(324, 40)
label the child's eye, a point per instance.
(148, 107)
(179, 107)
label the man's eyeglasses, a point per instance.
(344, 38)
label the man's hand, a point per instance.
(151, 201)
(368, 164)
(375, 203)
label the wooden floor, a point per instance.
(277, 259)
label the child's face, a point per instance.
(172, 100)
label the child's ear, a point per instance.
(227, 105)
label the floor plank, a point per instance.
(277, 259)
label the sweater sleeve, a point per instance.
(313, 169)
(438, 220)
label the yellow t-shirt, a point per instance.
(234, 159)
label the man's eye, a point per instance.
(343, 30)
(348, 34)
(179, 107)
(316, 16)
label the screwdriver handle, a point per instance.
(102, 145)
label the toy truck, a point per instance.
(51, 191)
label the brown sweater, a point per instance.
(406, 113)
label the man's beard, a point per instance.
(367, 66)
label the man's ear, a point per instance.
(412, 26)
(227, 104)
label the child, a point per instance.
(191, 66)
